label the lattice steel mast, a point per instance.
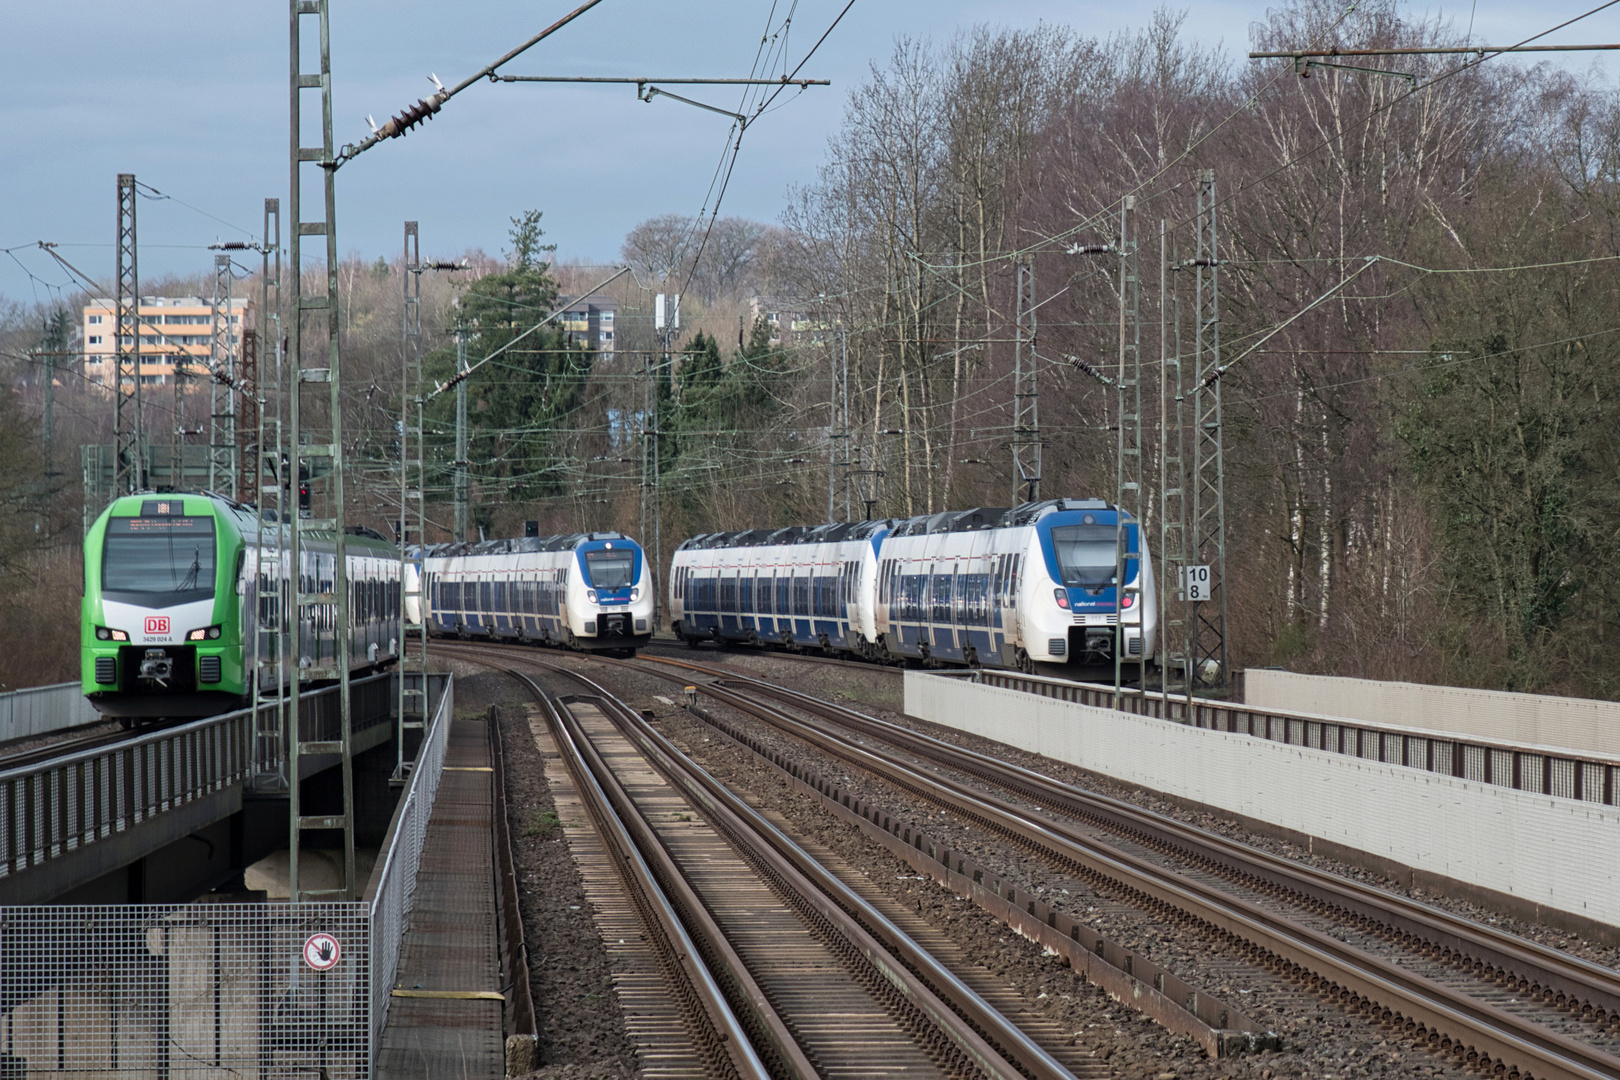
(271, 657)
(410, 368)
(1209, 479)
(838, 434)
(1173, 622)
(129, 465)
(1128, 387)
(1026, 434)
(330, 596)
(222, 396)
(461, 462)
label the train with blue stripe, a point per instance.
(1062, 581)
(586, 591)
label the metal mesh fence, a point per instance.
(194, 990)
(205, 990)
(393, 885)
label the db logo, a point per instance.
(157, 624)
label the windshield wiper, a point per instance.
(196, 567)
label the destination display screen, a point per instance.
(158, 561)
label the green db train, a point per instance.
(183, 592)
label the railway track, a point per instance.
(676, 650)
(1492, 1001)
(35, 751)
(779, 968)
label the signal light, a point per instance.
(303, 495)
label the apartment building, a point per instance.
(177, 333)
(791, 322)
(589, 320)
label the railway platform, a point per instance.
(446, 1013)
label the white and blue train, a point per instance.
(587, 591)
(985, 587)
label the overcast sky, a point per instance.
(191, 96)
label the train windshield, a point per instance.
(158, 561)
(610, 569)
(1085, 554)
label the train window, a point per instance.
(1086, 554)
(745, 598)
(763, 593)
(783, 584)
(917, 596)
(609, 569)
(728, 594)
(159, 561)
(978, 603)
(941, 612)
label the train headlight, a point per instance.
(1062, 597)
(590, 595)
(209, 632)
(104, 634)
(635, 594)
(1127, 600)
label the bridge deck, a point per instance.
(437, 1026)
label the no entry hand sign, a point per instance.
(322, 952)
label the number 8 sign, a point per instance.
(1195, 579)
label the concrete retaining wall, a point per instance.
(42, 709)
(1546, 852)
(1569, 723)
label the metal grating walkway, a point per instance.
(451, 949)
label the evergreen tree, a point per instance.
(520, 403)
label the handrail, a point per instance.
(1543, 770)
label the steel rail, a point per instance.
(1481, 1028)
(616, 822)
(847, 660)
(61, 747)
(515, 950)
(1542, 969)
(986, 1037)
(1002, 1050)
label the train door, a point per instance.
(974, 607)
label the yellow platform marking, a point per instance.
(451, 995)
